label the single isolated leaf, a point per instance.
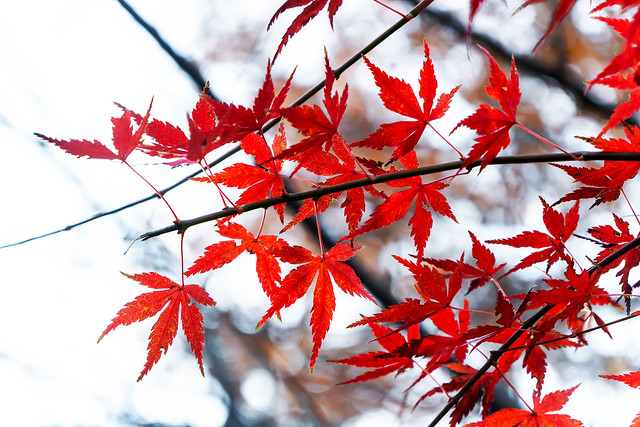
(176, 303)
(552, 245)
(399, 97)
(493, 124)
(325, 270)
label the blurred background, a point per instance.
(64, 63)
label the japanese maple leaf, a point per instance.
(612, 239)
(176, 303)
(623, 111)
(236, 122)
(484, 270)
(172, 143)
(551, 245)
(604, 184)
(259, 182)
(572, 300)
(537, 416)
(320, 129)
(493, 124)
(617, 73)
(382, 362)
(325, 270)
(125, 140)
(427, 197)
(398, 96)
(221, 253)
(440, 348)
(313, 7)
(431, 286)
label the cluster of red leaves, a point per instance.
(561, 302)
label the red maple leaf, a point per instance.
(327, 164)
(398, 96)
(552, 245)
(440, 348)
(236, 122)
(325, 269)
(616, 73)
(178, 304)
(259, 182)
(561, 11)
(125, 140)
(432, 287)
(632, 379)
(493, 124)
(313, 7)
(320, 129)
(172, 143)
(427, 197)
(611, 240)
(604, 184)
(537, 416)
(571, 300)
(221, 253)
(484, 270)
(383, 362)
(623, 111)
(530, 345)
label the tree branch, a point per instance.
(183, 225)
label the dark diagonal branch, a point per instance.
(183, 225)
